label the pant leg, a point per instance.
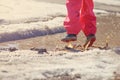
(72, 21)
(88, 19)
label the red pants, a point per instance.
(80, 17)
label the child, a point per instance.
(80, 16)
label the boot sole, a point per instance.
(69, 39)
(89, 43)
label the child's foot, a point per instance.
(90, 40)
(69, 37)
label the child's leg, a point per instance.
(88, 18)
(72, 21)
(88, 21)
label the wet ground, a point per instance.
(28, 65)
(108, 27)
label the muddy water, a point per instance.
(107, 26)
